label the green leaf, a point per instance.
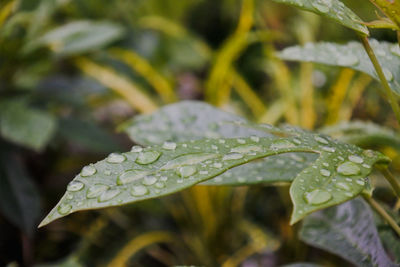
(351, 55)
(332, 9)
(78, 37)
(26, 126)
(19, 199)
(364, 134)
(348, 231)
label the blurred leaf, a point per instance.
(71, 261)
(79, 37)
(155, 171)
(364, 134)
(390, 9)
(24, 125)
(332, 9)
(351, 55)
(88, 135)
(19, 199)
(348, 231)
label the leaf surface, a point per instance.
(351, 55)
(347, 230)
(332, 9)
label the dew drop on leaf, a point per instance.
(322, 6)
(342, 185)
(232, 156)
(75, 186)
(317, 196)
(88, 171)
(130, 176)
(96, 190)
(388, 74)
(148, 157)
(136, 149)
(188, 159)
(108, 195)
(348, 168)
(187, 171)
(246, 149)
(159, 185)
(149, 180)
(281, 144)
(321, 140)
(64, 209)
(347, 60)
(115, 158)
(325, 172)
(169, 145)
(139, 190)
(356, 159)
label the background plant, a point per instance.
(73, 65)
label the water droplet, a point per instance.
(296, 141)
(115, 158)
(347, 60)
(149, 180)
(328, 149)
(148, 157)
(108, 195)
(317, 196)
(169, 145)
(136, 149)
(369, 153)
(356, 159)
(96, 190)
(325, 172)
(241, 141)
(64, 209)
(75, 186)
(188, 159)
(139, 190)
(388, 74)
(321, 140)
(232, 156)
(246, 149)
(159, 185)
(88, 171)
(321, 5)
(130, 176)
(221, 141)
(281, 144)
(217, 165)
(342, 185)
(255, 138)
(395, 49)
(366, 166)
(348, 168)
(187, 171)
(203, 172)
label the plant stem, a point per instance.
(382, 212)
(388, 91)
(392, 180)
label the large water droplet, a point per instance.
(321, 140)
(342, 185)
(136, 149)
(317, 196)
(75, 186)
(281, 144)
(187, 171)
(348, 168)
(130, 176)
(255, 138)
(148, 157)
(356, 159)
(108, 195)
(232, 156)
(325, 172)
(149, 180)
(169, 145)
(328, 149)
(64, 209)
(188, 159)
(88, 171)
(115, 158)
(96, 190)
(139, 190)
(246, 149)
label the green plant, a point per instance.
(191, 143)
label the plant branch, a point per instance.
(391, 179)
(382, 212)
(388, 91)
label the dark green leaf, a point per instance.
(332, 9)
(351, 55)
(348, 231)
(26, 126)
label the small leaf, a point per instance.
(26, 126)
(78, 37)
(351, 55)
(348, 231)
(19, 199)
(364, 134)
(332, 9)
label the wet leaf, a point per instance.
(24, 125)
(351, 55)
(332, 9)
(348, 231)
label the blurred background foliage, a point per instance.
(71, 71)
